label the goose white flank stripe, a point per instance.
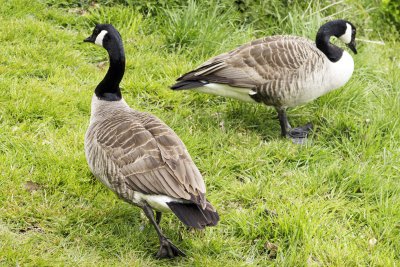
(279, 71)
(227, 91)
(138, 156)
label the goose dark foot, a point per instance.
(168, 250)
(299, 134)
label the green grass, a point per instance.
(320, 204)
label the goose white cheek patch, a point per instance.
(100, 37)
(346, 37)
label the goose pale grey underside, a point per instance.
(271, 66)
(141, 153)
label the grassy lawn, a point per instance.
(333, 202)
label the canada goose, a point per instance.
(138, 156)
(280, 71)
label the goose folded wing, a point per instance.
(151, 159)
(259, 62)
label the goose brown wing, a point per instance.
(259, 62)
(150, 157)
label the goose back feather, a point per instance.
(132, 151)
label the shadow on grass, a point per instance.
(260, 119)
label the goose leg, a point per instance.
(158, 217)
(298, 134)
(167, 249)
(283, 121)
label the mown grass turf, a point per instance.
(333, 202)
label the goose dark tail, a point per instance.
(182, 85)
(193, 215)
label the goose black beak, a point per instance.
(90, 39)
(352, 46)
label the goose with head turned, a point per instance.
(138, 156)
(279, 71)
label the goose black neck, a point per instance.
(108, 89)
(324, 34)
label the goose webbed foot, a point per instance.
(299, 134)
(168, 250)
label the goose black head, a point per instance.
(347, 34)
(104, 35)
(341, 29)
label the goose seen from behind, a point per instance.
(279, 71)
(138, 156)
